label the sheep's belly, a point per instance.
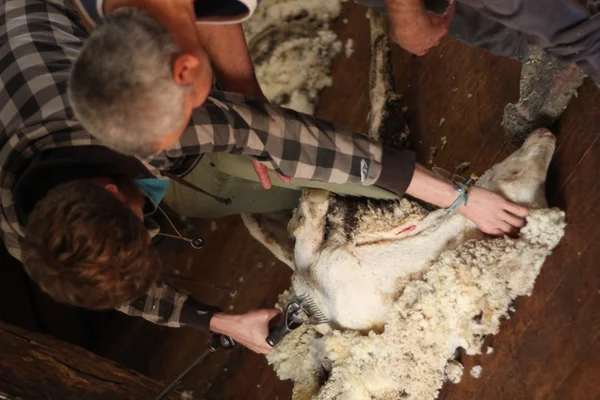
(357, 285)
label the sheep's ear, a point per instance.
(270, 229)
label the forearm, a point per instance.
(224, 323)
(228, 51)
(165, 305)
(426, 186)
(490, 212)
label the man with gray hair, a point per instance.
(148, 65)
(141, 103)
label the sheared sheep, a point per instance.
(402, 304)
(404, 287)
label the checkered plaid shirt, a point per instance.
(39, 41)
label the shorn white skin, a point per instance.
(355, 282)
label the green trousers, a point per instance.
(232, 176)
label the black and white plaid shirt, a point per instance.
(39, 41)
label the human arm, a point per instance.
(414, 28)
(302, 146)
(230, 58)
(492, 213)
(291, 143)
(227, 48)
(164, 305)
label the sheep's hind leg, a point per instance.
(386, 122)
(547, 86)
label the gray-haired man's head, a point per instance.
(133, 86)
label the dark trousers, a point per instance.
(566, 29)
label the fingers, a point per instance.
(513, 220)
(284, 179)
(260, 348)
(449, 13)
(504, 224)
(495, 232)
(516, 209)
(269, 314)
(505, 227)
(442, 21)
(502, 229)
(272, 313)
(263, 174)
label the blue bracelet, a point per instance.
(463, 193)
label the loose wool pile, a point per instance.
(460, 297)
(292, 46)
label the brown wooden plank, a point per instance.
(25, 305)
(580, 384)
(346, 102)
(35, 366)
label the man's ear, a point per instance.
(114, 189)
(185, 69)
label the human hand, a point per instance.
(249, 330)
(416, 29)
(261, 169)
(492, 213)
(263, 175)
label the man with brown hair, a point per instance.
(85, 242)
(86, 245)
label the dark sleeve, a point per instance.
(197, 314)
(165, 305)
(398, 168)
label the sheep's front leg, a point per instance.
(270, 229)
(308, 227)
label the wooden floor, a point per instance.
(549, 349)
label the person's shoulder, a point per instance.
(39, 16)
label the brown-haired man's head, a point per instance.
(86, 244)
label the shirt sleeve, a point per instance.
(293, 144)
(164, 305)
(91, 11)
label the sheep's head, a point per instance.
(522, 175)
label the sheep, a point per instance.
(403, 287)
(395, 332)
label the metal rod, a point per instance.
(169, 388)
